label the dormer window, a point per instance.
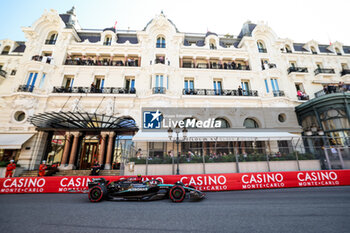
(212, 44)
(51, 39)
(160, 42)
(337, 51)
(261, 47)
(313, 50)
(108, 40)
(6, 50)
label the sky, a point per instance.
(300, 20)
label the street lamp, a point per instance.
(177, 141)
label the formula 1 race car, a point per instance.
(135, 189)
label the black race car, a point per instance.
(135, 189)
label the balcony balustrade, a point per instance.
(278, 93)
(262, 50)
(223, 92)
(158, 90)
(225, 66)
(344, 72)
(25, 88)
(90, 62)
(108, 43)
(297, 69)
(324, 71)
(92, 90)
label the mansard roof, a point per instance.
(20, 48)
(91, 37)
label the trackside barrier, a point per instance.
(207, 182)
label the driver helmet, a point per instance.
(44, 161)
(12, 160)
(179, 183)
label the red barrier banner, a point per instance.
(203, 182)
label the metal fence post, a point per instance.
(341, 158)
(203, 163)
(327, 159)
(296, 156)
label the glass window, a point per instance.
(250, 123)
(160, 42)
(224, 123)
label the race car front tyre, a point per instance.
(177, 193)
(97, 193)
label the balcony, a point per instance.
(262, 50)
(297, 69)
(52, 42)
(25, 88)
(90, 90)
(330, 89)
(324, 71)
(42, 59)
(107, 43)
(267, 66)
(225, 66)
(344, 72)
(3, 73)
(158, 90)
(159, 61)
(223, 92)
(90, 62)
(278, 93)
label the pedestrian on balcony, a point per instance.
(42, 168)
(233, 64)
(9, 169)
(92, 88)
(240, 91)
(342, 86)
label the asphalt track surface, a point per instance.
(318, 209)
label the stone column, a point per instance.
(181, 62)
(102, 148)
(73, 153)
(126, 61)
(139, 63)
(109, 151)
(66, 151)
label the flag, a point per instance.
(115, 25)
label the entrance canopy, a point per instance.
(13, 141)
(81, 121)
(212, 136)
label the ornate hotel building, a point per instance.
(72, 95)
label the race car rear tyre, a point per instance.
(97, 193)
(177, 193)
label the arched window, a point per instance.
(6, 50)
(51, 38)
(288, 50)
(108, 40)
(160, 42)
(250, 123)
(261, 47)
(212, 44)
(313, 50)
(224, 123)
(337, 51)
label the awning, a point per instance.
(82, 121)
(13, 141)
(212, 136)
